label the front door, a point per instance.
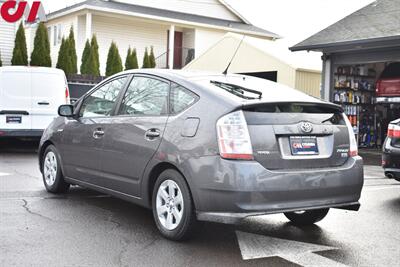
(133, 136)
(178, 49)
(83, 138)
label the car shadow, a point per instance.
(212, 241)
(17, 145)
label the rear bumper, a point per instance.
(238, 189)
(391, 161)
(234, 218)
(20, 133)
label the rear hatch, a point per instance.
(297, 135)
(15, 99)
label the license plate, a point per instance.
(14, 119)
(304, 145)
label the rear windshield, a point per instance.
(391, 71)
(292, 108)
(290, 113)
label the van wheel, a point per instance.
(53, 178)
(173, 208)
(307, 217)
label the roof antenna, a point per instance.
(234, 55)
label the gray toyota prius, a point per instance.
(205, 147)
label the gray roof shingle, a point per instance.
(377, 21)
(118, 6)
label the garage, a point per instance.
(361, 69)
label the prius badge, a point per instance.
(306, 127)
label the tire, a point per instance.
(168, 206)
(307, 217)
(53, 178)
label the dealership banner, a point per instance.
(12, 11)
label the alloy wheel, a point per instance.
(169, 205)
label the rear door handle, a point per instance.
(43, 103)
(98, 133)
(152, 134)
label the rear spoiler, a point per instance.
(334, 107)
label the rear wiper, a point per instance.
(238, 90)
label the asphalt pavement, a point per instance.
(85, 228)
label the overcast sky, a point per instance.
(294, 20)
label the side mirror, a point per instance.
(66, 111)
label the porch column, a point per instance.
(88, 31)
(326, 77)
(171, 46)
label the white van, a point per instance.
(29, 99)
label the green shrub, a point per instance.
(146, 60)
(85, 58)
(134, 59)
(41, 52)
(152, 59)
(62, 60)
(114, 62)
(71, 53)
(93, 62)
(20, 52)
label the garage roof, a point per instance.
(166, 15)
(377, 22)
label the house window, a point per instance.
(49, 32)
(57, 34)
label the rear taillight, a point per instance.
(352, 138)
(378, 84)
(233, 137)
(67, 100)
(393, 131)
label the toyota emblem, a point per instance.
(306, 127)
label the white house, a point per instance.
(7, 38)
(189, 28)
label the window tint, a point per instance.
(391, 71)
(181, 98)
(101, 102)
(145, 96)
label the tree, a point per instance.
(71, 53)
(41, 52)
(134, 59)
(128, 60)
(62, 61)
(85, 58)
(114, 62)
(92, 66)
(131, 60)
(152, 58)
(146, 60)
(20, 52)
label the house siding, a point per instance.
(309, 82)
(66, 24)
(7, 38)
(125, 33)
(205, 38)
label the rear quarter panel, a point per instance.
(178, 149)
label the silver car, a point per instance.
(205, 147)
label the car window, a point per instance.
(145, 97)
(181, 98)
(391, 71)
(101, 102)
